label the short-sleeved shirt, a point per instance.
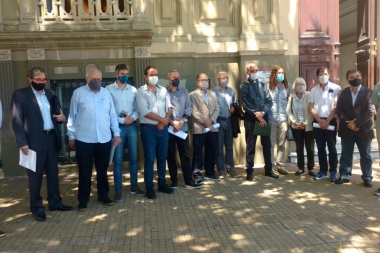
(324, 100)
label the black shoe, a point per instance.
(40, 217)
(106, 202)
(367, 183)
(341, 180)
(165, 189)
(312, 173)
(299, 172)
(82, 206)
(272, 175)
(150, 194)
(192, 184)
(61, 207)
(249, 177)
(174, 185)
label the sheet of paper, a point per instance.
(111, 153)
(330, 127)
(180, 134)
(28, 161)
(216, 125)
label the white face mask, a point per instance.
(204, 85)
(153, 80)
(254, 76)
(323, 79)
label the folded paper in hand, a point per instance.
(180, 134)
(28, 161)
(216, 125)
(330, 127)
(263, 131)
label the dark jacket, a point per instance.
(27, 121)
(362, 112)
(238, 114)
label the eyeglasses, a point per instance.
(203, 80)
(40, 80)
(96, 79)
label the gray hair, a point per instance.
(298, 80)
(221, 73)
(90, 70)
(35, 70)
(171, 71)
(250, 65)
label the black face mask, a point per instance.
(38, 86)
(355, 82)
(175, 82)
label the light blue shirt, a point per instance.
(92, 116)
(124, 100)
(225, 99)
(280, 101)
(44, 105)
(354, 96)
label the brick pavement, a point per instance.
(292, 214)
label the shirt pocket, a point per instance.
(106, 104)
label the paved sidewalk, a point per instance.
(292, 214)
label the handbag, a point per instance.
(289, 132)
(262, 131)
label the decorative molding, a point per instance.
(36, 54)
(222, 16)
(142, 52)
(66, 70)
(5, 55)
(167, 13)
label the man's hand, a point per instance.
(211, 127)
(207, 123)
(72, 144)
(262, 123)
(259, 115)
(24, 149)
(116, 141)
(323, 123)
(164, 121)
(128, 119)
(160, 126)
(177, 124)
(352, 126)
(60, 118)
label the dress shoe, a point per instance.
(367, 183)
(282, 171)
(82, 206)
(61, 207)
(40, 217)
(249, 177)
(272, 175)
(2, 234)
(299, 172)
(311, 173)
(106, 202)
(342, 180)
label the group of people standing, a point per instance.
(101, 119)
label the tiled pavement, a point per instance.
(292, 214)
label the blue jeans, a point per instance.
(129, 136)
(321, 138)
(364, 147)
(225, 140)
(155, 144)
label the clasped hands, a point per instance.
(352, 125)
(260, 117)
(208, 124)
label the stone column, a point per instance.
(9, 150)
(142, 60)
(140, 14)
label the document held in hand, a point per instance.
(330, 127)
(28, 161)
(180, 134)
(216, 125)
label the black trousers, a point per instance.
(250, 139)
(209, 143)
(304, 139)
(47, 161)
(183, 150)
(87, 154)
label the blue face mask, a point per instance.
(122, 79)
(175, 82)
(280, 78)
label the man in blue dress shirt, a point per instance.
(92, 117)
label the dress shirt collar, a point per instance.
(36, 93)
(116, 86)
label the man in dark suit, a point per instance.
(355, 111)
(36, 128)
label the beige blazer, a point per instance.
(202, 111)
(290, 109)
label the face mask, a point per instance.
(355, 82)
(323, 79)
(153, 80)
(95, 84)
(224, 83)
(175, 82)
(38, 86)
(203, 85)
(300, 89)
(280, 78)
(122, 79)
(254, 76)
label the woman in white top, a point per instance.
(301, 124)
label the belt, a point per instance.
(323, 118)
(223, 118)
(50, 131)
(148, 125)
